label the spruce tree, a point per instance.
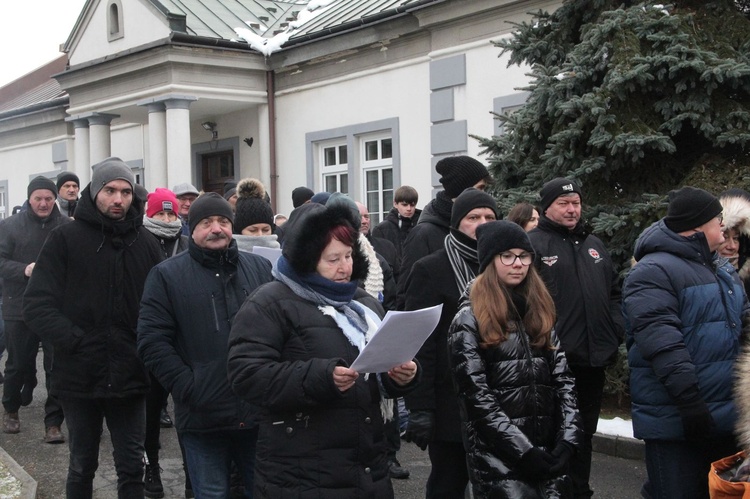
(632, 100)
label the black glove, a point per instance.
(562, 453)
(535, 465)
(696, 421)
(420, 428)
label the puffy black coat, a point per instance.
(187, 309)
(513, 397)
(395, 228)
(21, 240)
(431, 283)
(314, 441)
(83, 299)
(581, 278)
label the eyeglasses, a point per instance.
(721, 218)
(510, 258)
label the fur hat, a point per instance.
(497, 237)
(468, 200)
(459, 173)
(558, 187)
(41, 183)
(305, 239)
(301, 195)
(161, 200)
(208, 205)
(106, 171)
(63, 177)
(251, 207)
(690, 207)
(736, 204)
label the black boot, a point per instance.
(152, 486)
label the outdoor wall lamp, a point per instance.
(210, 126)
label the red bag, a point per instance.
(721, 488)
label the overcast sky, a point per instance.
(31, 32)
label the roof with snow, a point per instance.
(267, 24)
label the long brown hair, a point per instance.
(491, 301)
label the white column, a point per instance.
(156, 169)
(81, 165)
(178, 140)
(99, 132)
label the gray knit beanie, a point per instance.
(108, 170)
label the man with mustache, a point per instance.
(579, 274)
(83, 299)
(188, 305)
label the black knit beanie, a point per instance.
(558, 187)
(208, 205)
(460, 172)
(108, 170)
(496, 237)
(63, 177)
(231, 192)
(251, 207)
(41, 183)
(468, 200)
(689, 208)
(301, 195)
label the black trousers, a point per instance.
(449, 476)
(20, 372)
(155, 399)
(589, 383)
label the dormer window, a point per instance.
(115, 28)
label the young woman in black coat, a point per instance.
(518, 405)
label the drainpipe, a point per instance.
(270, 88)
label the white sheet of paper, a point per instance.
(397, 340)
(272, 254)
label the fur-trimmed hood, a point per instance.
(736, 212)
(305, 238)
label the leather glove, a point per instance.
(421, 428)
(696, 421)
(535, 465)
(562, 453)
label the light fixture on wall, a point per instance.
(210, 126)
(249, 141)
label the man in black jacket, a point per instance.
(83, 299)
(579, 274)
(21, 239)
(187, 310)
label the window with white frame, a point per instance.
(334, 166)
(377, 169)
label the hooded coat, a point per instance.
(83, 299)
(685, 310)
(513, 397)
(736, 212)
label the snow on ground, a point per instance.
(617, 427)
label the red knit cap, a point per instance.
(161, 200)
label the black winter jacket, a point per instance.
(187, 310)
(83, 298)
(395, 228)
(431, 283)
(513, 397)
(581, 278)
(314, 441)
(21, 239)
(426, 238)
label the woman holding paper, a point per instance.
(321, 423)
(521, 422)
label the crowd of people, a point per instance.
(136, 296)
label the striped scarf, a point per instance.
(459, 253)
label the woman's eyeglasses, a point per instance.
(510, 258)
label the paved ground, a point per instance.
(613, 477)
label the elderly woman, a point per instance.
(321, 423)
(521, 421)
(162, 221)
(736, 247)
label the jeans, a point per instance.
(589, 383)
(680, 469)
(448, 477)
(126, 420)
(20, 372)
(209, 459)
